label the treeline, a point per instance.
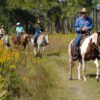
(56, 15)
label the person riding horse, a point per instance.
(2, 31)
(19, 30)
(38, 30)
(83, 24)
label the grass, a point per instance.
(46, 78)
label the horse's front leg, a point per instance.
(84, 68)
(43, 48)
(98, 69)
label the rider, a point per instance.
(19, 29)
(37, 32)
(83, 24)
(2, 31)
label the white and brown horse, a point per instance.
(88, 50)
(5, 40)
(42, 41)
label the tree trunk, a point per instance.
(64, 26)
(58, 25)
(50, 26)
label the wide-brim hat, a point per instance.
(84, 10)
(17, 23)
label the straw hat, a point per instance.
(83, 10)
(17, 23)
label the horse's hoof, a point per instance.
(70, 78)
(80, 79)
(97, 78)
(85, 79)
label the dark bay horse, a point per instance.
(88, 50)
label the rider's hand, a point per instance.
(84, 28)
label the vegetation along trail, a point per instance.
(46, 78)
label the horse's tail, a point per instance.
(69, 50)
(70, 58)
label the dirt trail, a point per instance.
(75, 87)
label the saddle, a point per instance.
(82, 40)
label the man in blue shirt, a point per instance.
(37, 32)
(83, 24)
(19, 30)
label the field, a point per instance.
(46, 78)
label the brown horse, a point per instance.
(88, 50)
(23, 40)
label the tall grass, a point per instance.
(46, 78)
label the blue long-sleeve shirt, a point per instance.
(81, 22)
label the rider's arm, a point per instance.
(91, 24)
(77, 27)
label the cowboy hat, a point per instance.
(18, 23)
(83, 10)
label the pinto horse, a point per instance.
(42, 41)
(5, 40)
(23, 40)
(87, 50)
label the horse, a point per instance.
(42, 41)
(23, 40)
(5, 40)
(89, 49)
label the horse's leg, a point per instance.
(38, 52)
(35, 51)
(79, 70)
(98, 69)
(70, 74)
(43, 48)
(70, 61)
(84, 68)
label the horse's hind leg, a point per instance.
(70, 74)
(98, 69)
(70, 62)
(79, 70)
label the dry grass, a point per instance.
(46, 78)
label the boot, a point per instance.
(75, 57)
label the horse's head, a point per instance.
(47, 39)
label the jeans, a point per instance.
(36, 36)
(77, 42)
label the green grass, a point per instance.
(46, 78)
